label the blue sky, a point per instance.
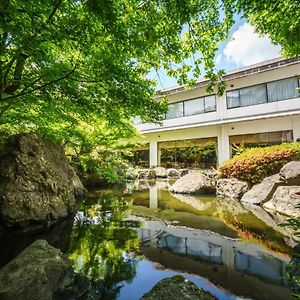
(244, 48)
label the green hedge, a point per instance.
(254, 164)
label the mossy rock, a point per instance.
(177, 287)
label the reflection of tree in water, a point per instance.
(103, 246)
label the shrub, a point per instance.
(254, 164)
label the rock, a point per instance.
(285, 201)
(15, 241)
(231, 188)
(37, 184)
(183, 172)
(161, 172)
(40, 272)
(290, 173)
(193, 183)
(173, 173)
(262, 192)
(146, 173)
(212, 175)
(177, 287)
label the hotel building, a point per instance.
(261, 105)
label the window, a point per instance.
(194, 107)
(268, 92)
(175, 110)
(233, 99)
(210, 103)
(253, 95)
(283, 89)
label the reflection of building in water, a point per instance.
(214, 248)
(153, 199)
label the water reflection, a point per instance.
(228, 262)
(224, 216)
(125, 243)
(104, 246)
(206, 237)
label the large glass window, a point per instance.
(210, 103)
(268, 92)
(283, 89)
(253, 95)
(194, 107)
(233, 99)
(175, 110)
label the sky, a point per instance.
(244, 48)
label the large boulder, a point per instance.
(37, 184)
(15, 241)
(290, 173)
(286, 200)
(161, 172)
(212, 175)
(231, 188)
(177, 287)
(193, 183)
(40, 272)
(262, 192)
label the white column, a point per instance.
(223, 144)
(153, 154)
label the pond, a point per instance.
(126, 240)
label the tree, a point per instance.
(75, 70)
(70, 67)
(89, 59)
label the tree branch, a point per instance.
(40, 87)
(54, 10)
(19, 58)
(16, 83)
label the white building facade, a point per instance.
(261, 103)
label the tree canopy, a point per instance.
(74, 68)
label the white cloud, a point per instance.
(218, 59)
(247, 47)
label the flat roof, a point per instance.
(237, 73)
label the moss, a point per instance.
(177, 287)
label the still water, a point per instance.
(126, 240)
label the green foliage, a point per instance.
(191, 156)
(294, 224)
(254, 164)
(68, 64)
